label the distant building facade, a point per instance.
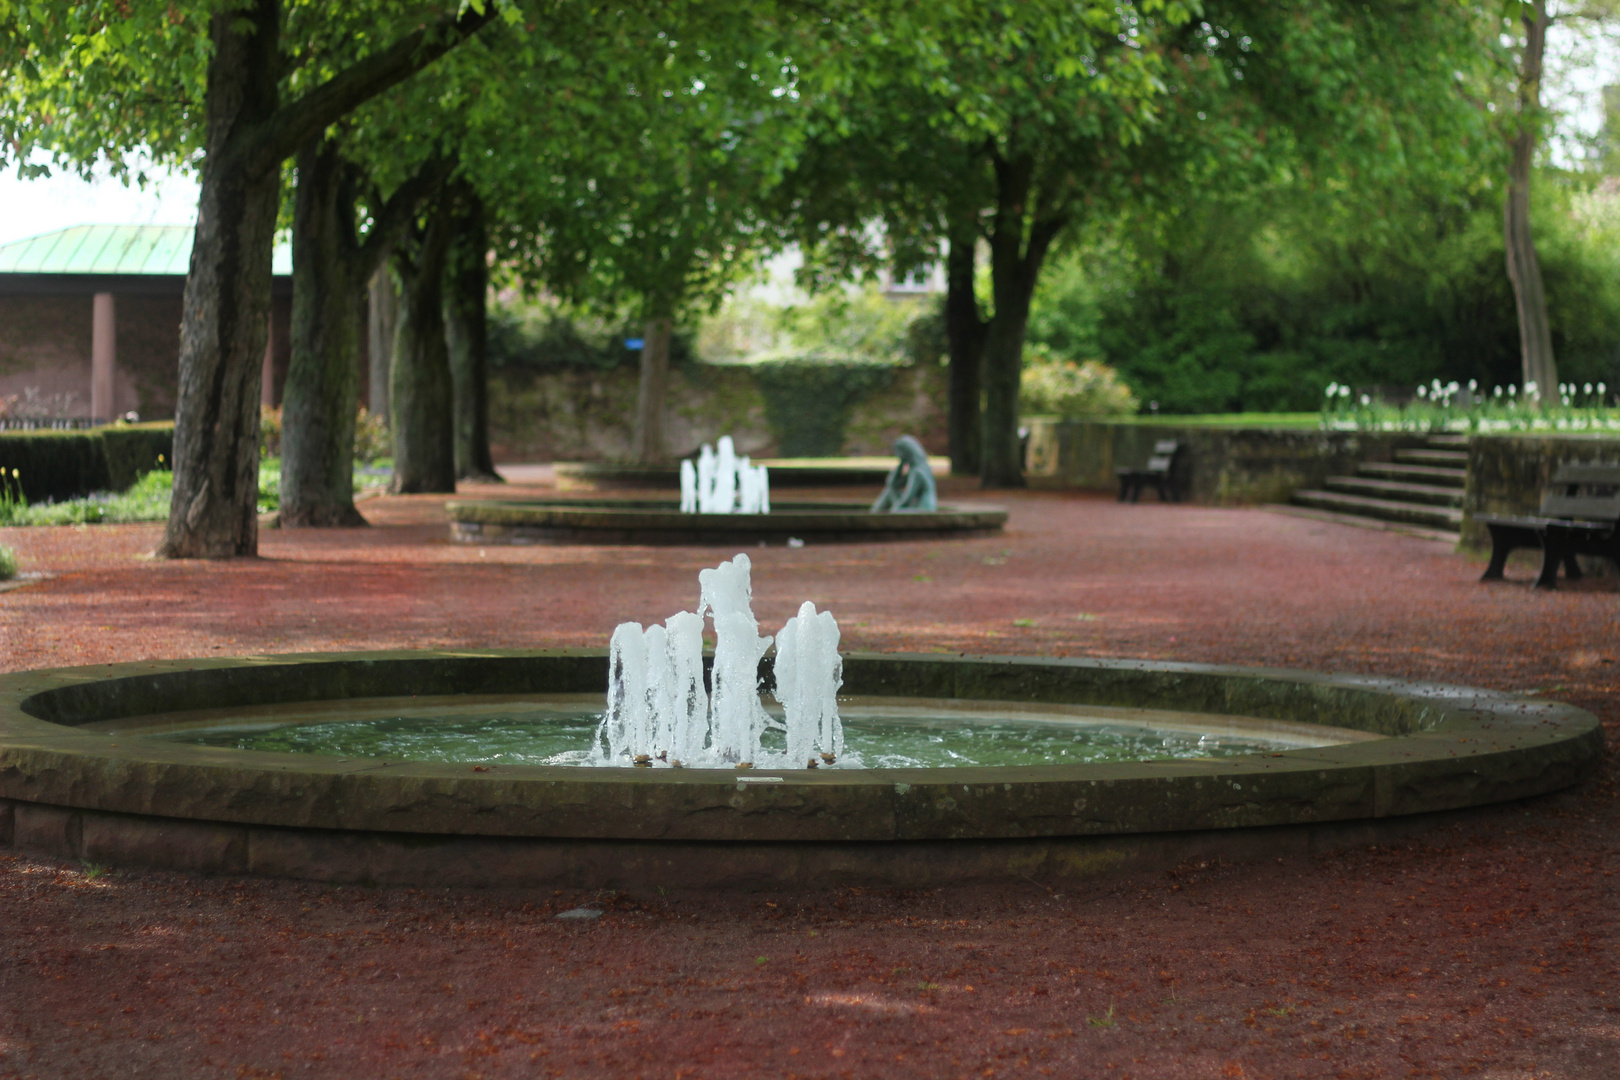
(90, 322)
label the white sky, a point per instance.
(31, 207)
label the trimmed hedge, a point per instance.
(808, 401)
(69, 464)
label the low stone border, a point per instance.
(118, 798)
(661, 522)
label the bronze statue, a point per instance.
(910, 485)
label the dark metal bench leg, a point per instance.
(1572, 568)
(1500, 550)
(1551, 556)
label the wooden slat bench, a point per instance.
(1157, 472)
(1580, 515)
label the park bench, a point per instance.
(1158, 472)
(1580, 515)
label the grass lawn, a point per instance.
(147, 500)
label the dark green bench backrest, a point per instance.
(1588, 492)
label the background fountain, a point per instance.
(723, 483)
(726, 500)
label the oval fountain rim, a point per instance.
(1462, 747)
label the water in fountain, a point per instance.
(657, 708)
(723, 483)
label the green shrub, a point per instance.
(808, 402)
(371, 441)
(69, 464)
(8, 563)
(1235, 301)
(1053, 387)
(269, 432)
(539, 337)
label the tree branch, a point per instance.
(390, 221)
(353, 86)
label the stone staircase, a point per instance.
(1421, 491)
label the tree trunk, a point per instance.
(382, 313)
(214, 511)
(653, 390)
(467, 337)
(323, 381)
(964, 335)
(421, 408)
(226, 310)
(1524, 269)
(1015, 266)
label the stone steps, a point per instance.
(1455, 459)
(1432, 475)
(1420, 491)
(1431, 517)
(1426, 494)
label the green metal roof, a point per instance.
(113, 249)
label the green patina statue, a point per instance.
(910, 485)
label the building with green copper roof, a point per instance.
(90, 321)
(146, 251)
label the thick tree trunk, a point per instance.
(1003, 465)
(1015, 266)
(964, 335)
(227, 299)
(422, 414)
(653, 391)
(382, 314)
(323, 381)
(467, 338)
(226, 309)
(1523, 267)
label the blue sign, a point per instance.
(633, 343)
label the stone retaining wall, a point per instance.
(1217, 465)
(1506, 473)
(590, 415)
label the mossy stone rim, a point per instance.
(617, 521)
(1447, 748)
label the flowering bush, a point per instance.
(1064, 388)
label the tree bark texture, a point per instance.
(964, 336)
(1523, 267)
(331, 264)
(1015, 266)
(382, 315)
(226, 309)
(467, 336)
(421, 409)
(323, 380)
(248, 134)
(653, 392)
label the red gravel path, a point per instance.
(1486, 949)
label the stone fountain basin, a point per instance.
(112, 796)
(626, 521)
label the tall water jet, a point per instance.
(808, 672)
(659, 712)
(736, 717)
